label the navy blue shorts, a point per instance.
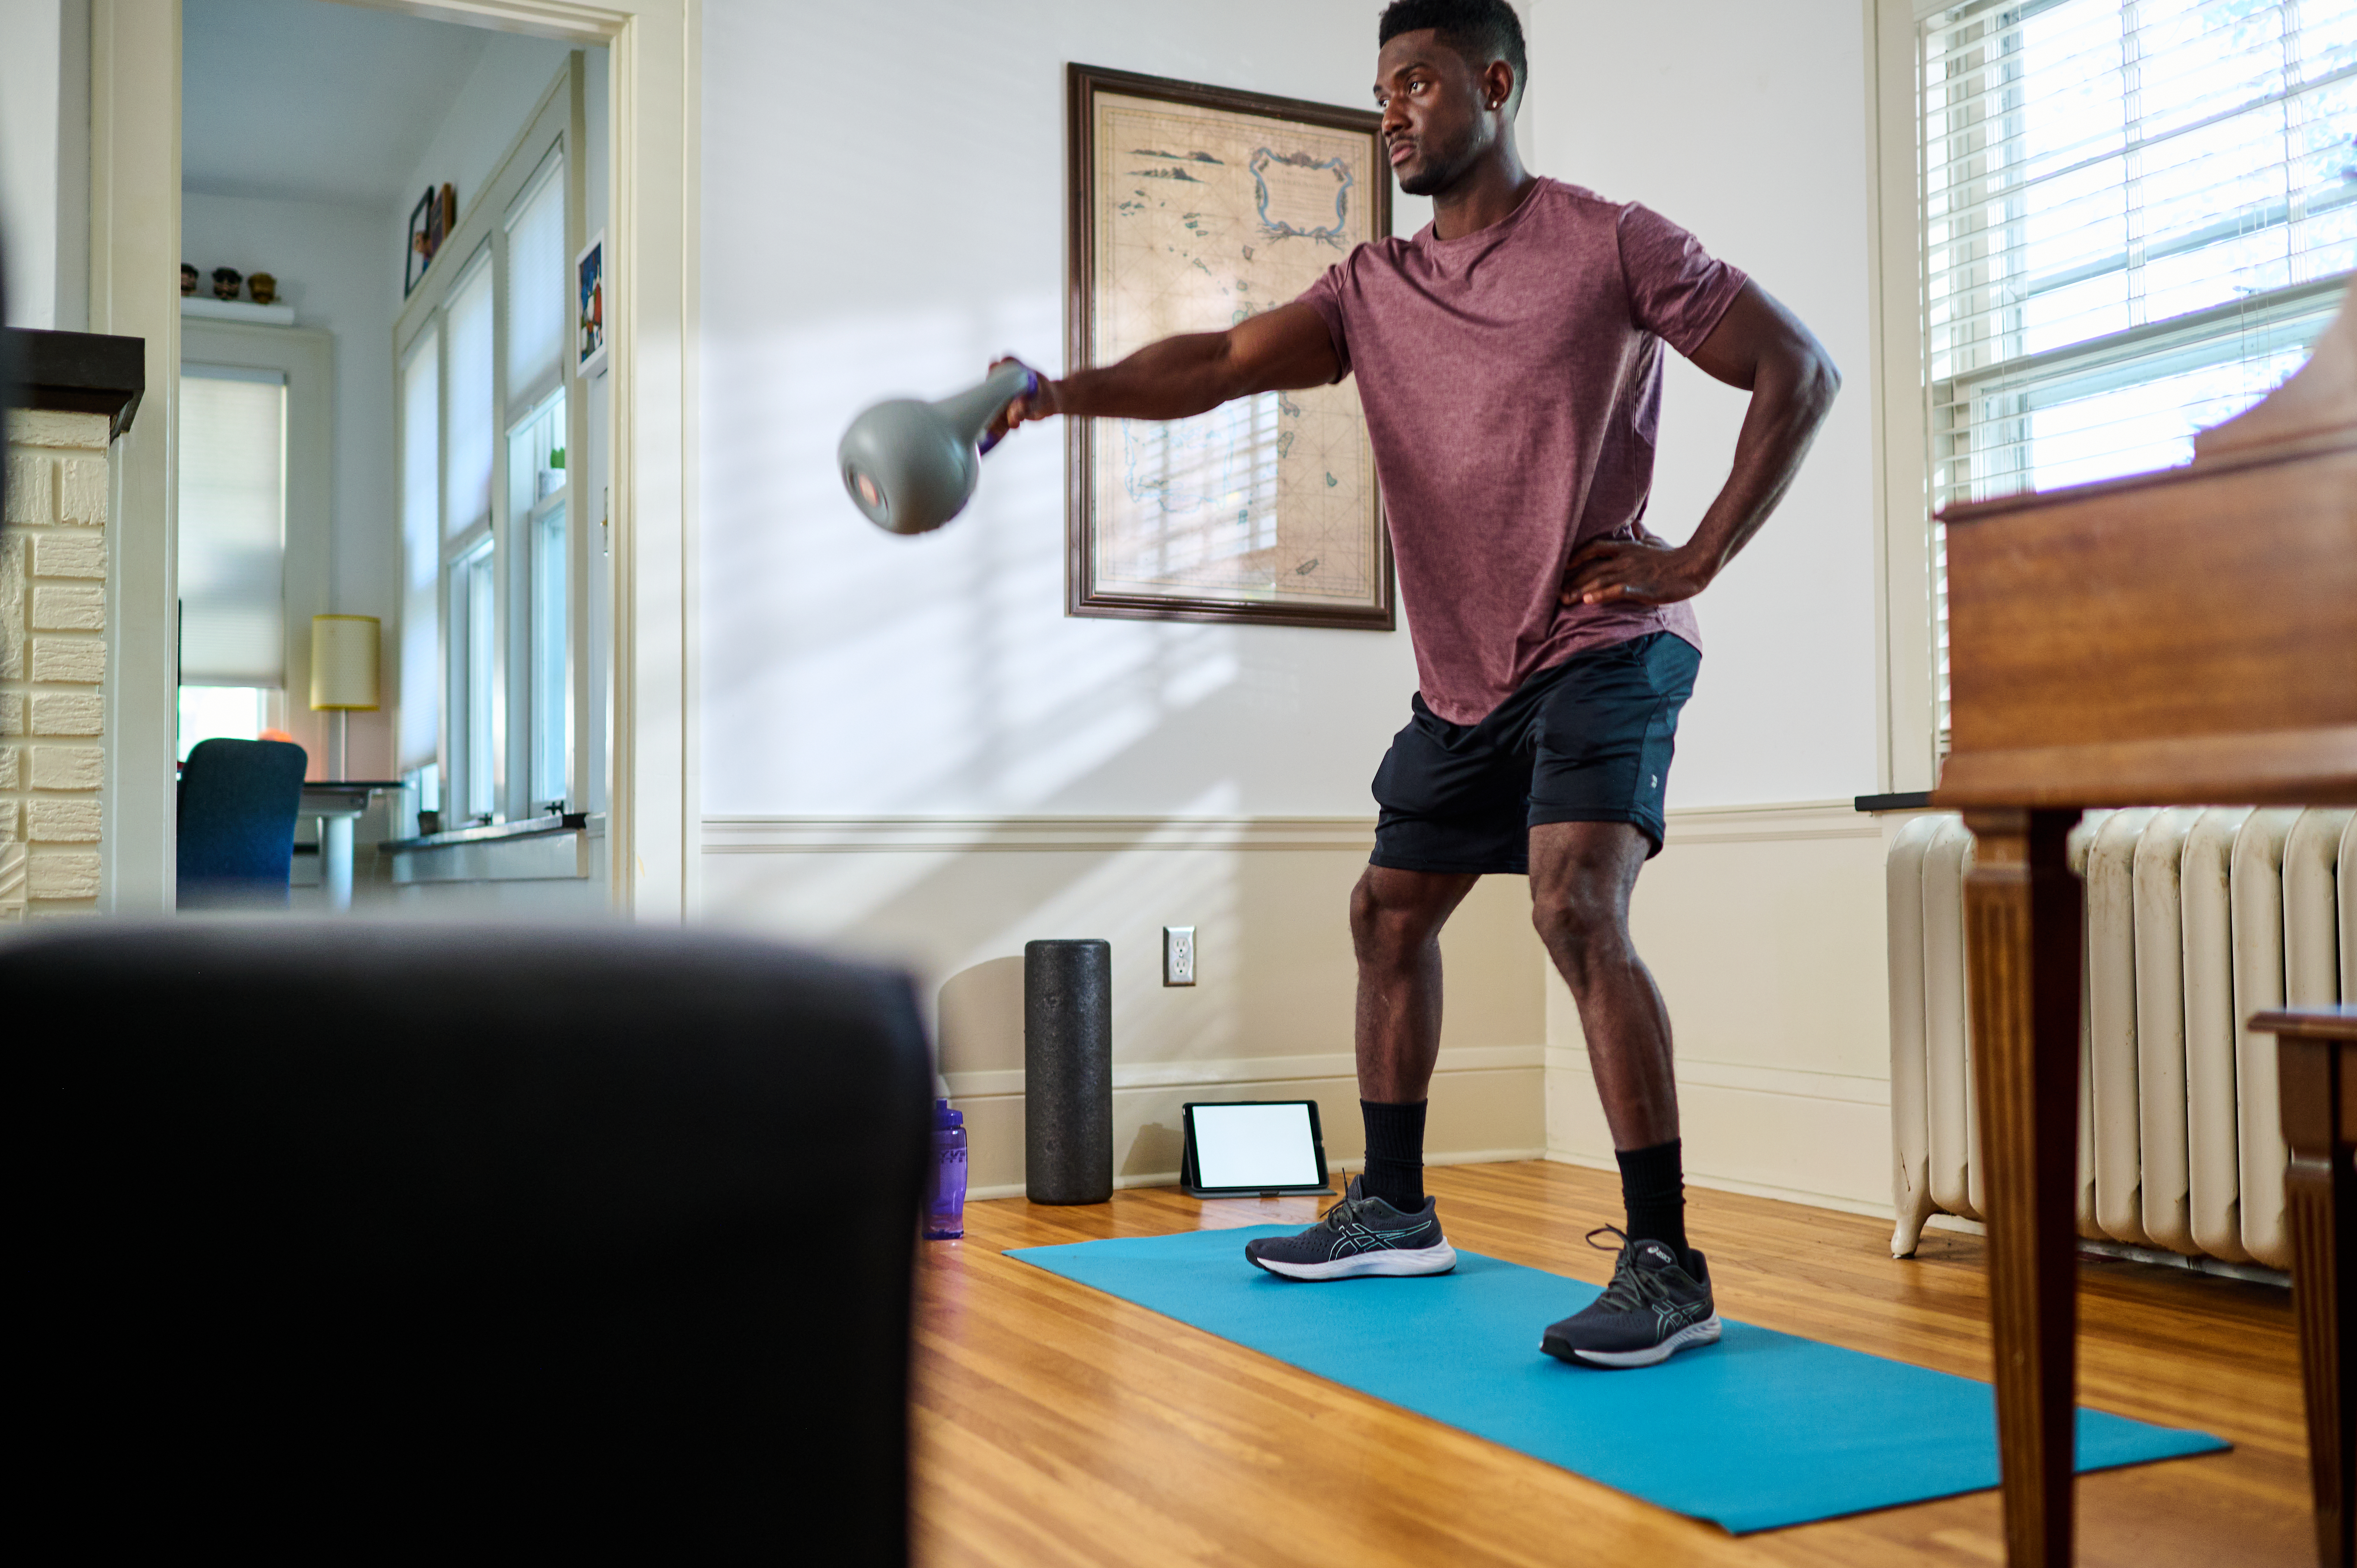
(1587, 740)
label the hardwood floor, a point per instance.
(1058, 1425)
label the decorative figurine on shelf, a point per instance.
(263, 288)
(225, 282)
(187, 279)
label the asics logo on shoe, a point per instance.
(1671, 1318)
(1358, 1238)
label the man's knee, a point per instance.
(1582, 874)
(1581, 918)
(1389, 922)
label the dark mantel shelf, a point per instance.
(74, 372)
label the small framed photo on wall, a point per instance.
(589, 307)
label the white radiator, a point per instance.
(2197, 917)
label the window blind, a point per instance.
(471, 430)
(232, 527)
(2138, 215)
(421, 552)
(536, 286)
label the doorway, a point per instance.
(644, 415)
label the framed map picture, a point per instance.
(1193, 208)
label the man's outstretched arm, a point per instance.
(1279, 350)
(1762, 347)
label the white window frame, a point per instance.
(480, 241)
(1906, 673)
(1907, 609)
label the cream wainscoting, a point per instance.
(1764, 927)
(1269, 1018)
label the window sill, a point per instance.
(539, 849)
(592, 824)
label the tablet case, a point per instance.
(1189, 1172)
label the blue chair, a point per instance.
(238, 801)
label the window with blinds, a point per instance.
(493, 640)
(2138, 216)
(421, 557)
(536, 286)
(471, 395)
(232, 527)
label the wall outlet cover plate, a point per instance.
(1177, 955)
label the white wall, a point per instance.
(45, 161)
(839, 279)
(477, 130)
(1747, 125)
(850, 678)
(868, 234)
(1765, 930)
(331, 265)
(1763, 919)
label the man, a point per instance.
(1509, 363)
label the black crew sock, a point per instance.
(1394, 1153)
(1653, 1185)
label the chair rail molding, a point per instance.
(652, 231)
(817, 834)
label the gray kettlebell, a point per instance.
(910, 467)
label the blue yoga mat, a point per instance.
(1757, 1432)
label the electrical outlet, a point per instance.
(1177, 955)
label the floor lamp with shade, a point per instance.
(346, 663)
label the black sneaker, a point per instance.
(1360, 1235)
(1654, 1307)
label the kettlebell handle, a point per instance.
(1030, 389)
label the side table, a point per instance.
(2317, 1052)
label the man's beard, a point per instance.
(1439, 172)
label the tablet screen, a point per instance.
(1254, 1145)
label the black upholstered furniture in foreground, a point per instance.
(357, 1240)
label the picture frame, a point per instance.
(430, 222)
(417, 253)
(1191, 206)
(589, 307)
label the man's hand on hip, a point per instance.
(1646, 570)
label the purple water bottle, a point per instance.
(945, 1206)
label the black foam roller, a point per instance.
(1068, 1070)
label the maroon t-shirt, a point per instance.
(1511, 380)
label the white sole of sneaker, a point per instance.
(1391, 1261)
(1703, 1333)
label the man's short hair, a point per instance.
(1479, 30)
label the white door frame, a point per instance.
(652, 286)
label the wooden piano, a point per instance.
(2183, 638)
